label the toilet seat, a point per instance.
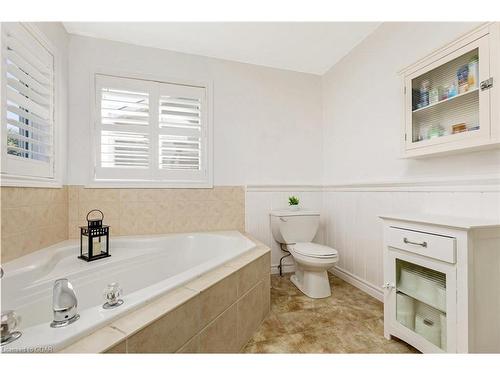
(313, 250)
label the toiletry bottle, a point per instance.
(473, 77)
(424, 93)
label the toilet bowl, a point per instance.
(295, 230)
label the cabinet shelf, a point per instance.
(421, 298)
(422, 109)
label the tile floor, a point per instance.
(350, 321)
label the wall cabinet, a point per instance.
(442, 283)
(451, 100)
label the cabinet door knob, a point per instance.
(388, 286)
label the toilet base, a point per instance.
(314, 284)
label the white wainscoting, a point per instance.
(354, 229)
(350, 220)
(260, 200)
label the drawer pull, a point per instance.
(423, 244)
(428, 322)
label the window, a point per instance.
(148, 131)
(27, 105)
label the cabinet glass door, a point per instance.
(444, 100)
(422, 302)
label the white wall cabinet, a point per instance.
(451, 99)
(442, 283)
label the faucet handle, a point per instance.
(10, 321)
(112, 294)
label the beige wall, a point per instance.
(33, 218)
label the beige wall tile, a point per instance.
(218, 297)
(32, 218)
(192, 346)
(249, 317)
(120, 348)
(170, 332)
(25, 211)
(221, 335)
(266, 296)
(253, 273)
(138, 319)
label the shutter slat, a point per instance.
(28, 92)
(27, 55)
(30, 152)
(28, 128)
(27, 68)
(23, 77)
(28, 104)
(114, 104)
(29, 140)
(179, 152)
(121, 149)
(30, 116)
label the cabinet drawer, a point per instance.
(426, 244)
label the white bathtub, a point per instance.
(144, 266)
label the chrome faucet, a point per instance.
(64, 304)
(10, 321)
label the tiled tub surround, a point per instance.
(32, 218)
(217, 312)
(158, 211)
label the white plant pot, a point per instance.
(294, 207)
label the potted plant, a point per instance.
(293, 202)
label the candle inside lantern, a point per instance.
(96, 246)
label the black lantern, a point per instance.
(94, 239)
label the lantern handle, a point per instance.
(95, 210)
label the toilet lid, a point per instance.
(314, 250)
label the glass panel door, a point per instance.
(421, 301)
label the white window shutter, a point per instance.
(123, 128)
(28, 104)
(151, 131)
(182, 130)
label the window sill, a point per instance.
(32, 182)
(122, 184)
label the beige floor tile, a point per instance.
(350, 321)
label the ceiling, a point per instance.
(310, 47)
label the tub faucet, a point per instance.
(64, 304)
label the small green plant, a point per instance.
(293, 200)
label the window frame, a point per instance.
(158, 178)
(7, 176)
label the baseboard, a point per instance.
(365, 286)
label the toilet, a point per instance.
(295, 230)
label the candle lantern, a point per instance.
(94, 238)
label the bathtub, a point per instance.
(144, 266)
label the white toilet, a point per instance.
(295, 230)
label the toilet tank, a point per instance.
(294, 226)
